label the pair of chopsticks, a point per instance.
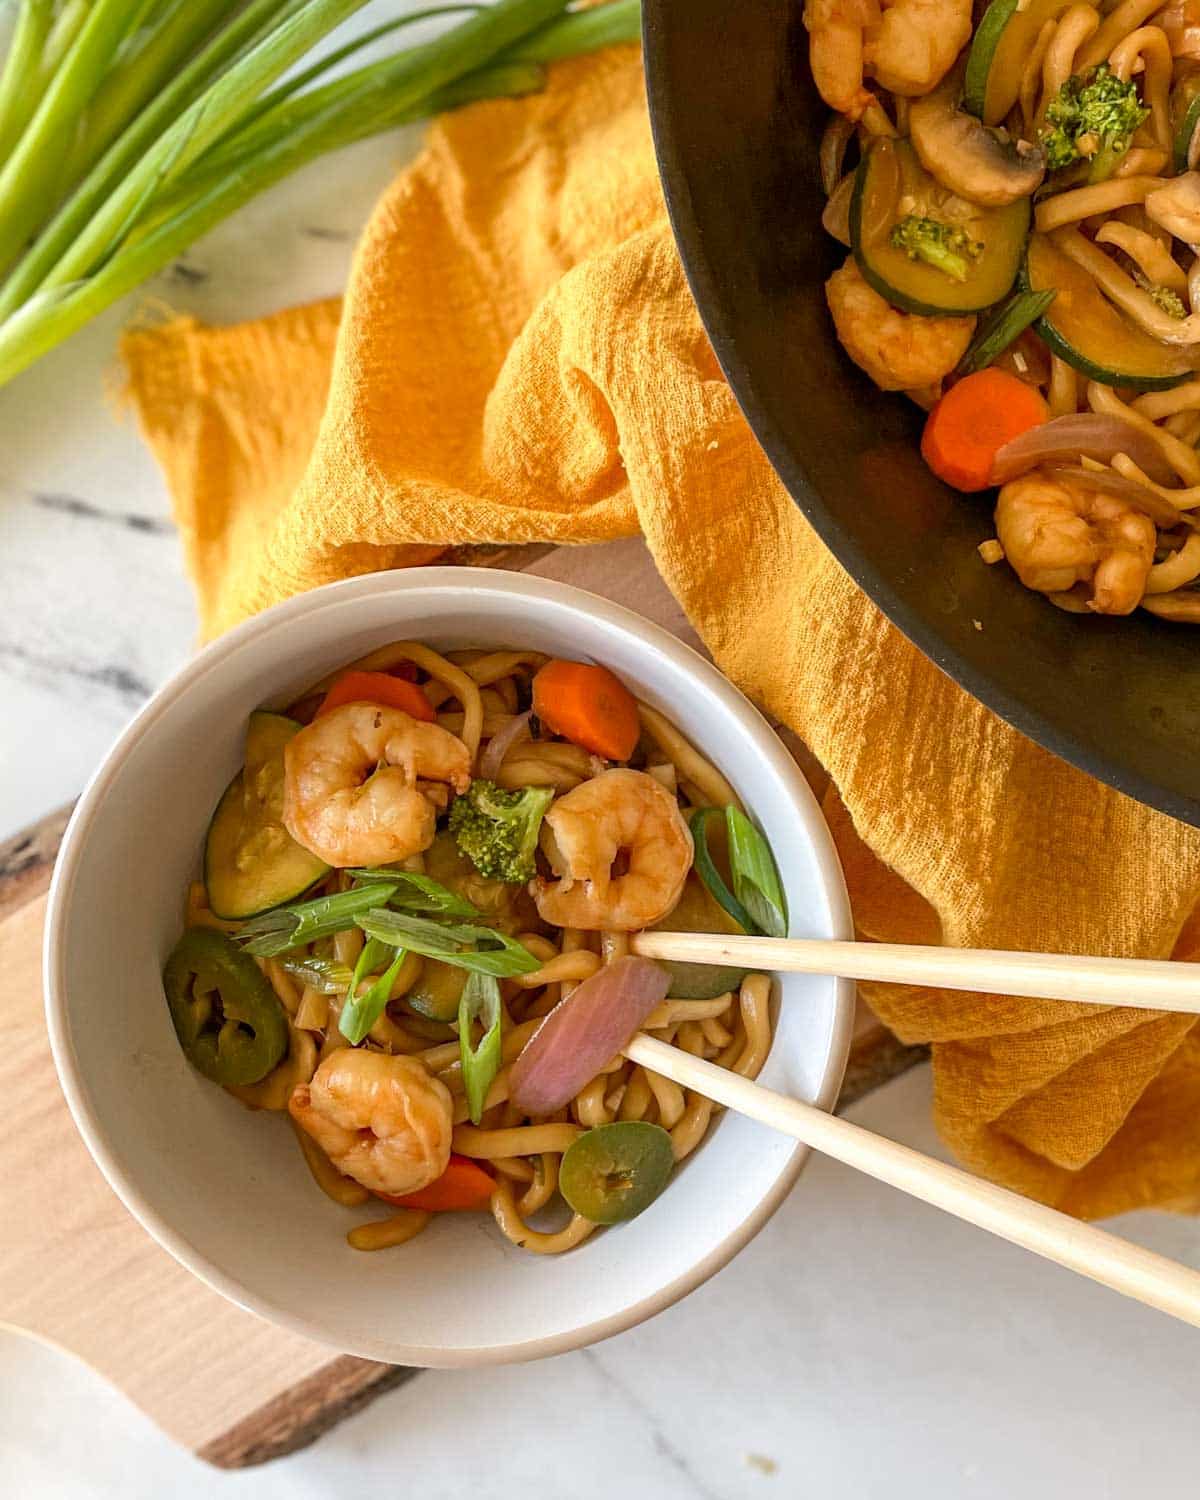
(1146, 983)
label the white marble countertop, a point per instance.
(97, 611)
(862, 1346)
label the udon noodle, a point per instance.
(479, 709)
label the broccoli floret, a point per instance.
(1058, 145)
(947, 246)
(1094, 116)
(498, 830)
(1162, 296)
(1170, 302)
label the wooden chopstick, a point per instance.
(1146, 983)
(1113, 1262)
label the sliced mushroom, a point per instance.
(964, 155)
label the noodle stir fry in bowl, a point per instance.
(410, 823)
(1023, 228)
(415, 922)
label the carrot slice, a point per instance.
(589, 706)
(378, 687)
(973, 421)
(464, 1187)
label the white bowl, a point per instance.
(225, 1191)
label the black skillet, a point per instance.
(736, 125)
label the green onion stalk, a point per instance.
(130, 86)
(31, 174)
(203, 122)
(128, 152)
(19, 94)
(190, 109)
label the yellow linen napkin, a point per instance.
(517, 359)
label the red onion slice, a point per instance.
(1088, 434)
(835, 219)
(584, 1032)
(1160, 511)
(837, 136)
(499, 745)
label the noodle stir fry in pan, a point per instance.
(1023, 220)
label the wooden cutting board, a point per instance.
(78, 1272)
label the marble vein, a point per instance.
(123, 682)
(84, 510)
(193, 275)
(636, 1406)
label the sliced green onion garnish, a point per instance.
(325, 975)
(360, 1012)
(755, 878)
(480, 1002)
(306, 921)
(417, 892)
(709, 873)
(479, 949)
(1002, 327)
(373, 957)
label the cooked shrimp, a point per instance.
(899, 351)
(383, 1120)
(836, 31)
(1056, 536)
(351, 792)
(620, 813)
(1176, 207)
(914, 44)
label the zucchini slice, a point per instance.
(1185, 116)
(697, 911)
(251, 862)
(890, 177)
(437, 993)
(1083, 327)
(999, 51)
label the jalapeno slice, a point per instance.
(613, 1172)
(227, 1017)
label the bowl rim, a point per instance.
(874, 581)
(181, 683)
